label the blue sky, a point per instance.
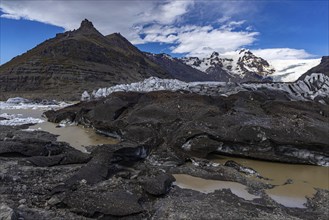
(278, 29)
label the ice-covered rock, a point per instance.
(313, 87)
(18, 100)
(17, 119)
(85, 96)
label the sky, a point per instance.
(272, 29)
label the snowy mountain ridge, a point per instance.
(237, 64)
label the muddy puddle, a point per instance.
(77, 136)
(208, 186)
(292, 182)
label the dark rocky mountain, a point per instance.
(323, 68)
(240, 66)
(64, 66)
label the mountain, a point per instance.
(178, 69)
(238, 66)
(60, 67)
(323, 68)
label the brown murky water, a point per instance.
(77, 136)
(208, 186)
(293, 183)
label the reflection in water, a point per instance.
(293, 182)
(208, 186)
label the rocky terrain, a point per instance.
(51, 180)
(161, 133)
(60, 67)
(254, 124)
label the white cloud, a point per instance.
(170, 12)
(156, 21)
(107, 16)
(232, 25)
(223, 19)
(201, 42)
(282, 54)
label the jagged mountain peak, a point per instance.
(86, 24)
(87, 28)
(240, 65)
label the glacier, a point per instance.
(314, 87)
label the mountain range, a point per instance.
(84, 59)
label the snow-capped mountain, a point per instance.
(177, 69)
(238, 66)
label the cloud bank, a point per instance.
(282, 54)
(189, 27)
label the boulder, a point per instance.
(7, 213)
(159, 185)
(119, 203)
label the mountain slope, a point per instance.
(178, 69)
(60, 67)
(323, 68)
(239, 66)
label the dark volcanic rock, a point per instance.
(159, 185)
(117, 203)
(241, 168)
(7, 213)
(246, 124)
(26, 190)
(40, 148)
(71, 157)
